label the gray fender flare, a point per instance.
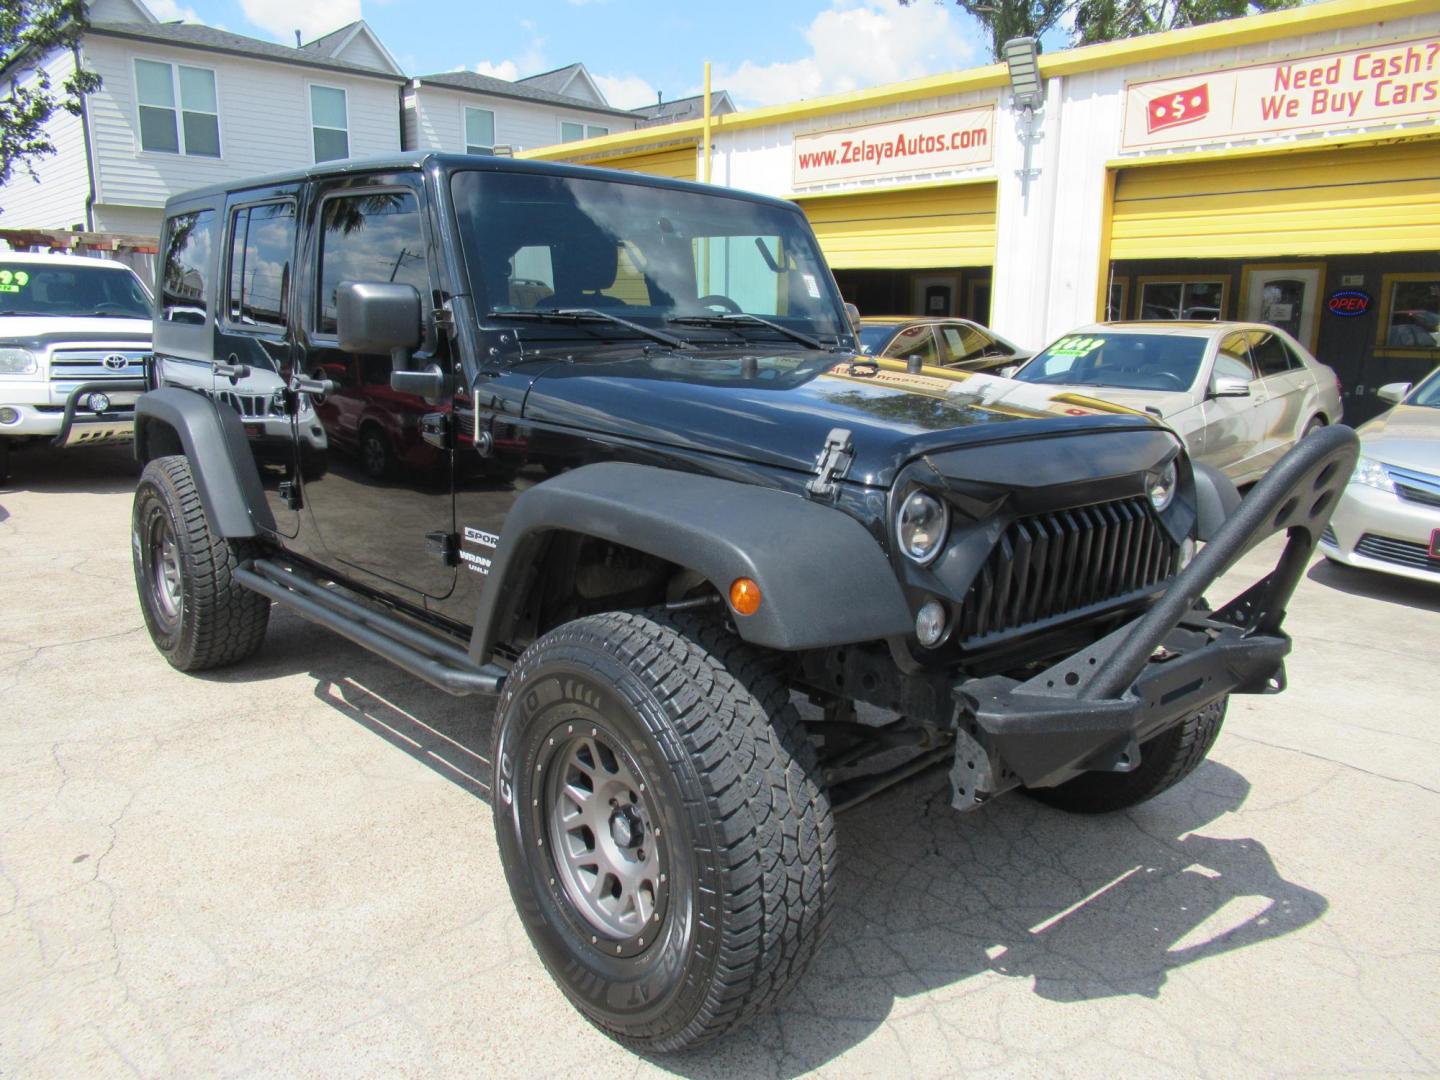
(1216, 498)
(823, 578)
(220, 460)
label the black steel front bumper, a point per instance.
(1094, 710)
(111, 426)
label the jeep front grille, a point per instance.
(1062, 563)
(253, 406)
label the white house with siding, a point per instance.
(183, 106)
(462, 112)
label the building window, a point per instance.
(573, 132)
(1410, 311)
(329, 123)
(479, 131)
(1183, 298)
(179, 113)
(185, 274)
(262, 240)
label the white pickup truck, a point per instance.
(74, 349)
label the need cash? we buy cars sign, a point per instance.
(916, 144)
(1326, 91)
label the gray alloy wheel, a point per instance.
(166, 577)
(603, 830)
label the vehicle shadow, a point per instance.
(1082, 908)
(94, 470)
(1360, 581)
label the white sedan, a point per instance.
(1239, 394)
(1389, 516)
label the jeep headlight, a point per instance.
(18, 362)
(1373, 474)
(1160, 486)
(920, 526)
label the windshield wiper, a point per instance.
(577, 315)
(745, 317)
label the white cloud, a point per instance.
(854, 44)
(170, 11)
(529, 61)
(625, 91)
(283, 17)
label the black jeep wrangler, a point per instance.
(601, 444)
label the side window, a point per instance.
(913, 341)
(961, 343)
(1233, 360)
(184, 275)
(371, 237)
(262, 240)
(1270, 354)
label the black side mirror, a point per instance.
(377, 317)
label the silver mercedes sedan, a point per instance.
(1389, 516)
(1239, 394)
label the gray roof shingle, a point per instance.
(188, 35)
(485, 84)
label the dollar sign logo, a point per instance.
(1177, 106)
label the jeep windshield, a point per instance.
(712, 269)
(70, 291)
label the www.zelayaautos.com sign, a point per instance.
(916, 144)
(1368, 84)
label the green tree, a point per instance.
(1102, 20)
(30, 32)
(1111, 20)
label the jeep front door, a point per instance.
(383, 508)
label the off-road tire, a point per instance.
(707, 724)
(217, 621)
(1165, 760)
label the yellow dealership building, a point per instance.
(1282, 168)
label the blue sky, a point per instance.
(763, 51)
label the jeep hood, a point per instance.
(778, 409)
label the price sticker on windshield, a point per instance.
(12, 281)
(1076, 345)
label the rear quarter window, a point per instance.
(185, 272)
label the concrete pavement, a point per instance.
(288, 868)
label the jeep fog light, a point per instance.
(930, 623)
(921, 525)
(1160, 486)
(99, 402)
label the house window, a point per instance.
(479, 131)
(573, 132)
(329, 123)
(1410, 311)
(178, 108)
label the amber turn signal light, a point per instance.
(745, 596)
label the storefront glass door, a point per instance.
(1286, 296)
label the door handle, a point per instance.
(233, 371)
(300, 384)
